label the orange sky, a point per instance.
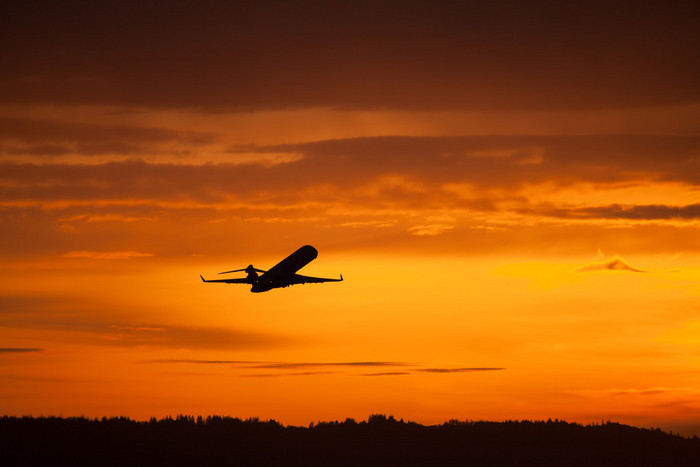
(512, 195)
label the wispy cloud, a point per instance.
(287, 365)
(388, 373)
(107, 254)
(20, 350)
(375, 224)
(638, 392)
(286, 368)
(277, 375)
(283, 365)
(458, 370)
(430, 229)
(51, 138)
(203, 362)
(631, 212)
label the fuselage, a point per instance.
(281, 274)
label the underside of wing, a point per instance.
(242, 280)
(299, 279)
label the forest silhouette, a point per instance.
(380, 440)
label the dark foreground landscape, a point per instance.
(380, 440)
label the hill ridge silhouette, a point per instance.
(380, 440)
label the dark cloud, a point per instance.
(56, 131)
(204, 362)
(367, 54)
(46, 150)
(633, 212)
(402, 368)
(615, 264)
(295, 365)
(276, 375)
(388, 373)
(57, 138)
(457, 370)
(20, 350)
(23, 305)
(502, 159)
(284, 365)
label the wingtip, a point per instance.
(202, 278)
(341, 277)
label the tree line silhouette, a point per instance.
(380, 440)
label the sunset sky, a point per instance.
(510, 189)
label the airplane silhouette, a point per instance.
(282, 274)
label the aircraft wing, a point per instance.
(299, 279)
(242, 280)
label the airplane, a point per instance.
(282, 274)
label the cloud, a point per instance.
(614, 264)
(284, 365)
(430, 229)
(204, 362)
(107, 254)
(374, 224)
(388, 373)
(272, 55)
(397, 183)
(633, 212)
(387, 171)
(37, 131)
(641, 392)
(293, 365)
(287, 368)
(276, 375)
(50, 138)
(458, 370)
(20, 350)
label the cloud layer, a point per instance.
(418, 187)
(405, 169)
(374, 55)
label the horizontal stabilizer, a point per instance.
(248, 269)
